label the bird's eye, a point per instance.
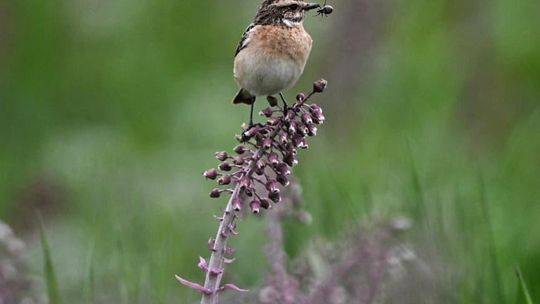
(294, 7)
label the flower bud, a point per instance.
(272, 101)
(265, 203)
(267, 112)
(273, 158)
(301, 97)
(290, 160)
(313, 108)
(260, 164)
(259, 171)
(275, 197)
(292, 127)
(318, 118)
(283, 138)
(272, 186)
(236, 204)
(210, 173)
(238, 160)
(319, 85)
(297, 140)
(255, 206)
(303, 130)
(282, 179)
(224, 180)
(225, 166)
(283, 169)
(316, 114)
(266, 143)
(222, 155)
(215, 193)
(306, 118)
(290, 115)
(292, 150)
(240, 149)
(244, 183)
(312, 130)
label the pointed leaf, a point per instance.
(193, 285)
(228, 261)
(232, 287)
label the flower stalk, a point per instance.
(254, 175)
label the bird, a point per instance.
(272, 52)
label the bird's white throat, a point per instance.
(291, 23)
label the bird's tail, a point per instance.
(244, 96)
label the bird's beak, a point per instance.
(310, 6)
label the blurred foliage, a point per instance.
(110, 110)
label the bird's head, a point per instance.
(287, 12)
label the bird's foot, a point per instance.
(286, 107)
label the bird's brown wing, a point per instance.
(245, 39)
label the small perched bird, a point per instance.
(273, 51)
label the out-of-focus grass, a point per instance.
(90, 288)
(53, 295)
(524, 292)
(123, 104)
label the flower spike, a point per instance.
(254, 175)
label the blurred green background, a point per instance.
(110, 111)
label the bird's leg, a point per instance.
(285, 106)
(251, 116)
(252, 106)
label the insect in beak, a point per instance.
(325, 10)
(311, 6)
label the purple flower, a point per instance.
(225, 166)
(210, 173)
(224, 180)
(264, 158)
(222, 155)
(255, 205)
(240, 149)
(320, 85)
(216, 192)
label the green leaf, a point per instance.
(490, 238)
(90, 288)
(50, 277)
(528, 299)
